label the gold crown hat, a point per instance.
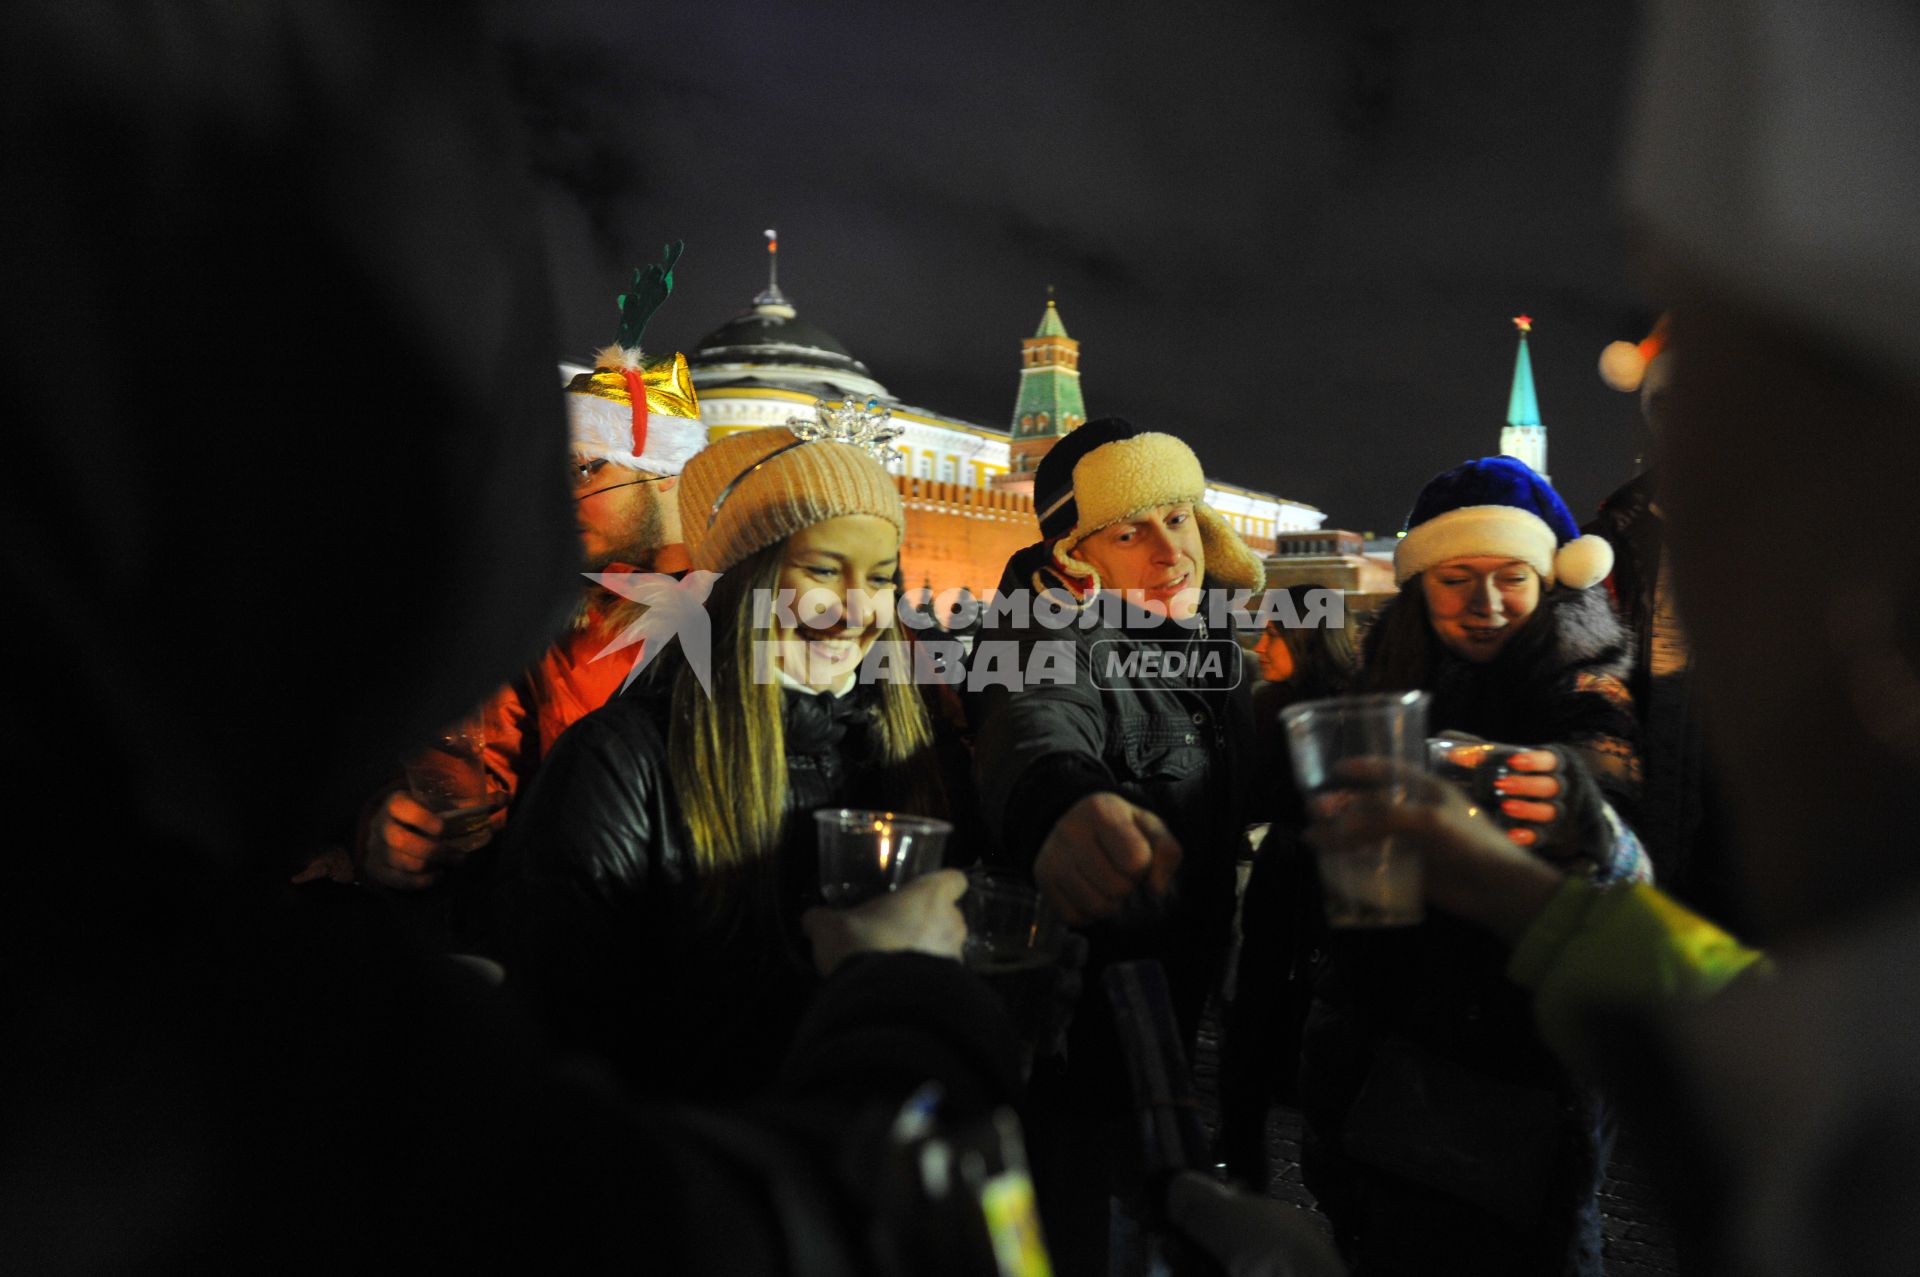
(1118, 480)
(632, 411)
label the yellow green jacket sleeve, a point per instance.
(1627, 947)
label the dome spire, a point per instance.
(772, 296)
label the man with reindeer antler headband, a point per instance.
(635, 423)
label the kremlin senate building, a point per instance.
(968, 488)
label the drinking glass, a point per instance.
(449, 777)
(1375, 883)
(864, 854)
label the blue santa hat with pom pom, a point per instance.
(1499, 506)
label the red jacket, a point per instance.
(564, 685)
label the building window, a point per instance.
(1041, 420)
(947, 468)
(923, 466)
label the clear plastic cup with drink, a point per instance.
(864, 854)
(1375, 883)
(1015, 942)
(449, 777)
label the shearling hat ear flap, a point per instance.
(1230, 560)
(1080, 576)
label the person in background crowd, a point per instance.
(654, 878)
(1282, 929)
(1786, 1101)
(1440, 1131)
(205, 1071)
(1124, 795)
(634, 424)
(1679, 816)
(1308, 660)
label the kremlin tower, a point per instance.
(1524, 436)
(1049, 403)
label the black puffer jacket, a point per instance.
(693, 987)
(1179, 746)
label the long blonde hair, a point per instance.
(726, 753)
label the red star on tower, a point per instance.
(1523, 322)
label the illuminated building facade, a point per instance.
(967, 487)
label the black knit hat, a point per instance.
(1053, 479)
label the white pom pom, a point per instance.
(1622, 365)
(1583, 561)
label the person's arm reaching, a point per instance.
(1581, 947)
(1625, 947)
(1052, 800)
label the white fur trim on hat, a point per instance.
(1475, 530)
(604, 428)
(1127, 476)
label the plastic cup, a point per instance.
(1015, 941)
(864, 854)
(1375, 883)
(449, 777)
(1009, 926)
(1477, 767)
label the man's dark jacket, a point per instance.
(1179, 747)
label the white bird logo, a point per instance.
(674, 607)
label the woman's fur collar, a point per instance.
(1589, 634)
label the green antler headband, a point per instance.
(651, 286)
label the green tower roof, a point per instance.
(1523, 409)
(1049, 403)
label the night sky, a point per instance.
(1292, 233)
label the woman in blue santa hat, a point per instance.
(1441, 1133)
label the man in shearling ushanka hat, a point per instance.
(1121, 790)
